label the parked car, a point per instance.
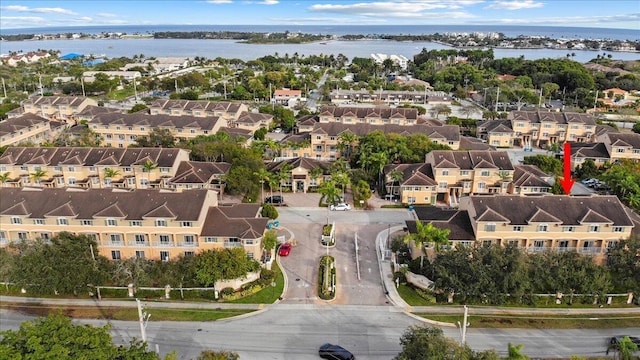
(285, 249)
(589, 181)
(340, 207)
(335, 352)
(275, 199)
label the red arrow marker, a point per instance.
(567, 182)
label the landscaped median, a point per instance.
(327, 278)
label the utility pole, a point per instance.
(143, 319)
(595, 101)
(495, 108)
(4, 88)
(42, 90)
(463, 326)
(82, 83)
(135, 89)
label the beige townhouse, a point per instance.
(369, 115)
(391, 97)
(134, 168)
(529, 129)
(622, 145)
(200, 175)
(286, 96)
(61, 108)
(140, 223)
(462, 173)
(589, 225)
(122, 130)
(225, 110)
(302, 173)
(586, 224)
(326, 139)
(29, 129)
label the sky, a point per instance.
(574, 13)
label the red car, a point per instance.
(285, 249)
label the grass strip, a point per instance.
(542, 321)
(127, 314)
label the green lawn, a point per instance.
(411, 297)
(267, 295)
(542, 321)
(127, 314)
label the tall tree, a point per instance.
(427, 234)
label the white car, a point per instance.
(340, 207)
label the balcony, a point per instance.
(231, 245)
(590, 250)
(188, 244)
(114, 243)
(138, 243)
(163, 243)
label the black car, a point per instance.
(275, 199)
(615, 340)
(335, 352)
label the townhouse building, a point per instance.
(199, 175)
(225, 110)
(325, 140)
(302, 173)
(462, 173)
(122, 130)
(55, 167)
(61, 108)
(538, 128)
(587, 224)
(368, 115)
(29, 129)
(139, 223)
(611, 147)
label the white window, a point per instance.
(618, 229)
(115, 238)
(543, 228)
(86, 222)
(189, 239)
(594, 228)
(248, 242)
(442, 185)
(135, 223)
(484, 173)
(111, 222)
(16, 220)
(38, 221)
(24, 168)
(210, 239)
(464, 172)
(72, 181)
(71, 169)
(57, 168)
(568, 228)
(115, 255)
(187, 224)
(126, 169)
(140, 239)
(161, 222)
(144, 182)
(490, 227)
(517, 228)
(445, 172)
(164, 255)
(189, 253)
(164, 240)
(63, 221)
(23, 235)
(92, 168)
(481, 186)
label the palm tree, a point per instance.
(37, 175)
(148, 167)
(110, 173)
(378, 161)
(396, 176)
(284, 174)
(514, 352)
(427, 234)
(315, 173)
(329, 191)
(264, 176)
(341, 178)
(4, 177)
(345, 143)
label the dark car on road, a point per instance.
(275, 200)
(614, 342)
(335, 352)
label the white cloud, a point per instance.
(400, 9)
(21, 8)
(514, 5)
(107, 15)
(306, 20)
(219, 1)
(85, 18)
(263, 2)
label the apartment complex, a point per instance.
(368, 115)
(122, 130)
(303, 173)
(62, 108)
(134, 168)
(286, 96)
(199, 175)
(586, 224)
(538, 128)
(29, 129)
(140, 223)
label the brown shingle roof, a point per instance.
(238, 221)
(160, 120)
(131, 205)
